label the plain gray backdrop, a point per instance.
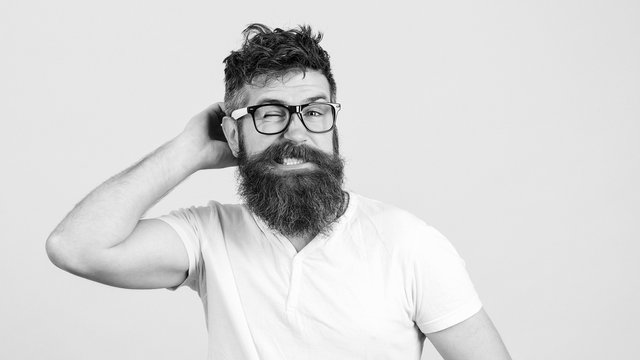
(511, 126)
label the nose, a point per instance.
(296, 132)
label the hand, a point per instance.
(212, 154)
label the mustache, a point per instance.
(278, 152)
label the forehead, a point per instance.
(293, 88)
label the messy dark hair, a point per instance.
(268, 54)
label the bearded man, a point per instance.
(302, 269)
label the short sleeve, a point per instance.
(443, 292)
(186, 224)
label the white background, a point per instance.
(511, 126)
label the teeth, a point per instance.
(291, 161)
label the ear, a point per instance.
(229, 126)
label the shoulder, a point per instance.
(212, 212)
(378, 210)
(394, 226)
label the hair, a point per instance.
(268, 55)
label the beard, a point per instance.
(294, 203)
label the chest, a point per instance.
(334, 293)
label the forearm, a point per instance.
(109, 213)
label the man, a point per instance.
(302, 269)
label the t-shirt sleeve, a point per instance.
(443, 292)
(186, 224)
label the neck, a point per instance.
(299, 242)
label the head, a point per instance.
(293, 179)
(268, 55)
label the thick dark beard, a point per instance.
(305, 203)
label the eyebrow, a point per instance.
(305, 101)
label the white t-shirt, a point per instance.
(369, 290)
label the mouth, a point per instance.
(292, 163)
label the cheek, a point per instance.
(328, 143)
(257, 143)
(249, 142)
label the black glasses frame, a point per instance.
(292, 109)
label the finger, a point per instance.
(216, 109)
(212, 112)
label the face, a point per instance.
(294, 89)
(292, 180)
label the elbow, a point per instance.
(74, 257)
(55, 251)
(63, 254)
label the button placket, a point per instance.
(294, 286)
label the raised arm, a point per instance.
(103, 238)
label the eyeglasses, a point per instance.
(271, 119)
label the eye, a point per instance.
(270, 113)
(317, 110)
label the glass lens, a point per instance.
(271, 118)
(318, 116)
